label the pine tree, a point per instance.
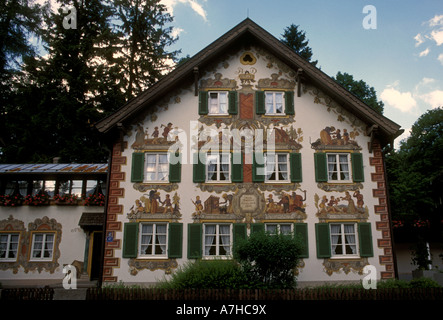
(296, 39)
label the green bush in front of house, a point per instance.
(269, 260)
(207, 274)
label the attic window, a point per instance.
(248, 59)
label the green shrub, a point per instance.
(424, 283)
(207, 274)
(392, 284)
(269, 261)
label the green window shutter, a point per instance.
(195, 240)
(321, 167)
(233, 102)
(289, 102)
(175, 167)
(175, 240)
(203, 103)
(130, 240)
(323, 240)
(257, 227)
(236, 167)
(199, 167)
(239, 233)
(357, 167)
(138, 167)
(301, 230)
(256, 167)
(260, 102)
(365, 239)
(296, 170)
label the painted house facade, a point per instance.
(51, 216)
(247, 136)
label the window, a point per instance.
(8, 246)
(276, 167)
(274, 228)
(157, 167)
(42, 246)
(274, 103)
(338, 167)
(217, 240)
(218, 167)
(218, 102)
(153, 239)
(343, 239)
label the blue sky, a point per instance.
(402, 58)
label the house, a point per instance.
(51, 216)
(247, 136)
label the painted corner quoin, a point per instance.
(265, 141)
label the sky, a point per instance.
(395, 46)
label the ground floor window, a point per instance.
(343, 239)
(217, 240)
(42, 246)
(153, 239)
(8, 246)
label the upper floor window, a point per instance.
(274, 103)
(275, 228)
(218, 167)
(8, 246)
(277, 167)
(218, 102)
(338, 167)
(157, 167)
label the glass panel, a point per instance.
(271, 228)
(50, 187)
(37, 186)
(278, 102)
(269, 102)
(285, 229)
(91, 185)
(77, 187)
(213, 102)
(223, 101)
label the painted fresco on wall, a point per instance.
(213, 205)
(335, 138)
(349, 203)
(157, 136)
(153, 203)
(285, 202)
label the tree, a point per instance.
(296, 39)
(415, 175)
(143, 39)
(269, 260)
(361, 90)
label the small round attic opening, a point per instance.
(248, 58)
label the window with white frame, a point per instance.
(157, 167)
(9, 246)
(277, 167)
(338, 167)
(343, 239)
(217, 240)
(218, 167)
(275, 228)
(153, 240)
(274, 102)
(42, 246)
(218, 102)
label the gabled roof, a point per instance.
(251, 33)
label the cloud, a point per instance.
(403, 101)
(195, 6)
(437, 36)
(419, 39)
(424, 53)
(440, 58)
(436, 21)
(433, 98)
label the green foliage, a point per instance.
(296, 40)
(361, 90)
(207, 274)
(415, 171)
(423, 283)
(269, 259)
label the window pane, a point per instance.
(271, 228)
(285, 229)
(278, 102)
(77, 187)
